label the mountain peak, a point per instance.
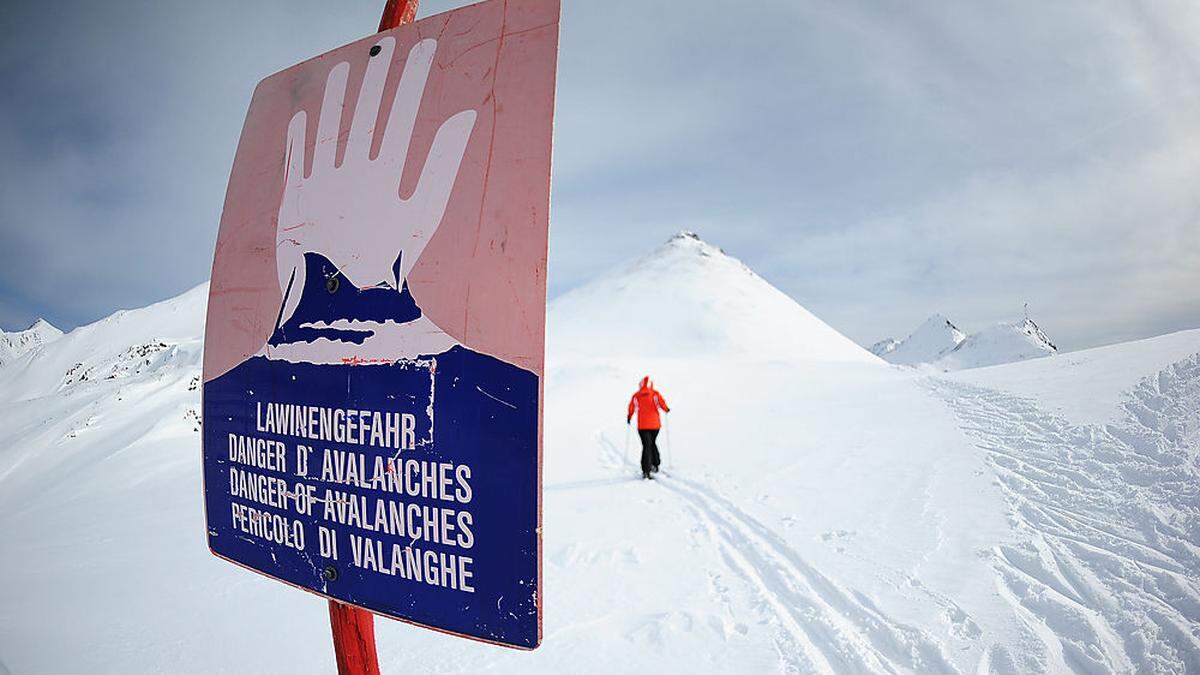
(934, 338)
(1001, 343)
(689, 298)
(17, 343)
(43, 327)
(685, 253)
(689, 241)
(939, 342)
(1036, 334)
(939, 321)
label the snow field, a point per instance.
(819, 511)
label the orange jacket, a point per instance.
(647, 401)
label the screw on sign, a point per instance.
(374, 348)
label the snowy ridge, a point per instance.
(939, 343)
(105, 386)
(689, 298)
(1111, 372)
(18, 343)
(1002, 343)
(932, 340)
(124, 343)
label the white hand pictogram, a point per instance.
(352, 213)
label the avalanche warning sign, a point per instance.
(374, 347)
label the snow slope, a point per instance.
(689, 299)
(1109, 373)
(932, 340)
(16, 343)
(941, 345)
(822, 511)
(1002, 343)
(1105, 566)
(126, 344)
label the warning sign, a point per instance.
(374, 347)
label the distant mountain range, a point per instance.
(939, 343)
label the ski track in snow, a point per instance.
(1106, 569)
(822, 627)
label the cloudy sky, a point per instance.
(878, 161)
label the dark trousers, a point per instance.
(650, 458)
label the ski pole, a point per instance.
(626, 441)
(667, 433)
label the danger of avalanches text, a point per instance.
(374, 516)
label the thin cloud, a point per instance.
(877, 162)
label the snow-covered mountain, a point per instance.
(123, 345)
(932, 340)
(939, 343)
(17, 343)
(820, 512)
(689, 298)
(1001, 343)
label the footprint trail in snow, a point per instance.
(1105, 572)
(822, 627)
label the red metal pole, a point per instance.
(354, 628)
(353, 639)
(397, 13)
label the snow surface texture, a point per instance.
(939, 344)
(821, 511)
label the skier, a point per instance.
(647, 401)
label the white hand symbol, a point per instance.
(352, 213)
